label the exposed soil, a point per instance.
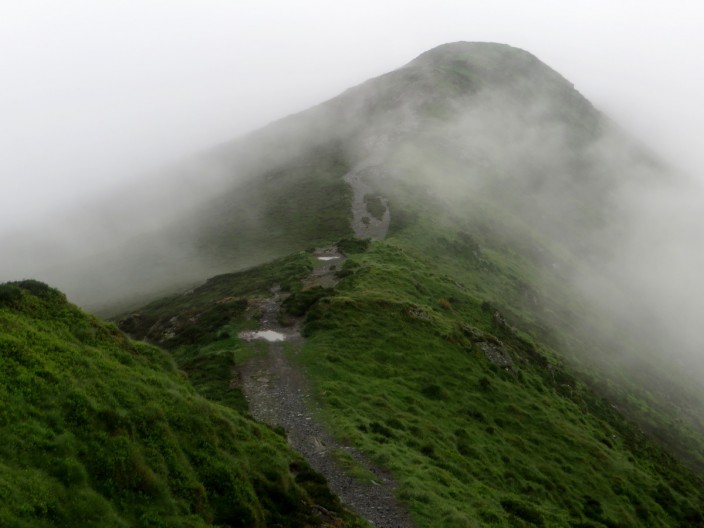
(365, 224)
(279, 394)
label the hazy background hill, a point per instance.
(462, 120)
(484, 134)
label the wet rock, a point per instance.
(499, 320)
(364, 223)
(496, 354)
(474, 334)
(418, 313)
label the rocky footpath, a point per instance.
(280, 395)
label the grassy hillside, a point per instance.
(500, 256)
(290, 206)
(482, 424)
(98, 430)
(457, 353)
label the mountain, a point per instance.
(460, 259)
(477, 117)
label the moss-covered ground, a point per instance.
(99, 430)
(482, 423)
(402, 359)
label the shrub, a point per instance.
(444, 304)
(353, 245)
(485, 384)
(37, 288)
(300, 302)
(9, 294)
(380, 429)
(592, 508)
(434, 392)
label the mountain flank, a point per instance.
(99, 430)
(479, 423)
(500, 187)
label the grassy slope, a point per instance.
(502, 260)
(99, 430)
(302, 204)
(471, 442)
(398, 354)
(268, 212)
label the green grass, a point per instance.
(98, 430)
(526, 274)
(210, 368)
(399, 356)
(304, 204)
(472, 442)
(197, 316)
(352, 467)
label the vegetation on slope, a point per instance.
(200, 327)
(197, 315)
(442, 352)
(481, 424)
(524, 272)
(286, 208)
(102, 431)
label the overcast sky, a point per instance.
(95, 92)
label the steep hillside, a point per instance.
(481, 424)
(99, 430)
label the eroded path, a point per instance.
(279, 394)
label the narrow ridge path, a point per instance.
(279, 395)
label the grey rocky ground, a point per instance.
(364, 224)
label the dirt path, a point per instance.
(364, 224)
(279, 394)
(330, 260)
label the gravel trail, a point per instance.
(279, 394)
